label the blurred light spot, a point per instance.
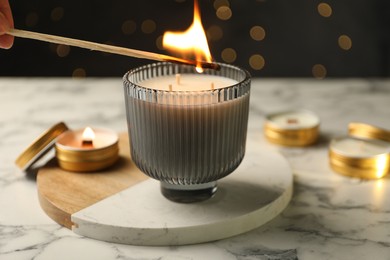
(257, 62)
(57, 14)
(63, 50)
(159, 42)
(319, 71)
(345, 42)
(220, 3)
(229, 55)
(79, 73)
(224, 13)
(257, 33)
(148, 26)
(214, 33)
(32, 19)
(324, 9)
(129, 27)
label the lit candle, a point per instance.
(360, 158)
(83, 150)
(187, 129)
(191, 135)
(87, 149)
(292, 128)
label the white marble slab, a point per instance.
(329, 217)
(256, 192)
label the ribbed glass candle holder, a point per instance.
(187, 139)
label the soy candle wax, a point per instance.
(292, 128)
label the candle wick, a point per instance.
(212, 85)
(292, 121)
(170, 87)
(178, 79)
(87, 143)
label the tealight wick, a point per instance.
(212, 85)
(87, 143)
(178, 79)
(88, 136)
(170, 87)
(292, 121)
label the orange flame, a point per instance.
(192, 42)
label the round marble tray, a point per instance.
(259, 189)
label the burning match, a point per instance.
(109, 48)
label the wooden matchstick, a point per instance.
(106, 48)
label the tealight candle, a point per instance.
(355, 157)
(87, 150)
(292, 128)
(83, 150)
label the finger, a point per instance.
(4, 24)
(5, 9)
(6, 41)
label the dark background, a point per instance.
(300, 38)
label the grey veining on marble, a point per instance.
(329, 217)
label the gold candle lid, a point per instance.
(40, 146)
(362, 158)
(362, 130)
(292, 128)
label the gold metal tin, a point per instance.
(86, 160)
(69, 158)
(40, 146)
(302, 136)
(367, 167)
(362, 130)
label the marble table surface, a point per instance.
(329, 217)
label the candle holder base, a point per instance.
(188, 193)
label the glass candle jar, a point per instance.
(186, 129)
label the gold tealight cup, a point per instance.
(75, 150)
(365, 153)
(78, 154)
(292, 128)
(367, 159)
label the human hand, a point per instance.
(6, 22)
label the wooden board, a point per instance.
(123, 205)
(63, 193)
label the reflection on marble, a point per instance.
(330, 216)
